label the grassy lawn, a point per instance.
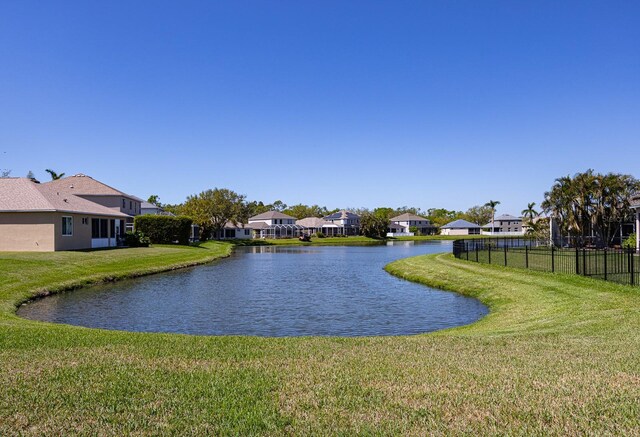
(557, 355)
(590, 261)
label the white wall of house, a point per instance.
(463, 231)
(270, 222)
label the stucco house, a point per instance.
(460, 227)
(408, 221)
(236, 231)
(274, 224)
(348, 222)
(90, 189)
(504, 225)
(147, 208)
(314, 225)
(41, 218)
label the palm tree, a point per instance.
(530, 213)
(492, 204)
(54, 176)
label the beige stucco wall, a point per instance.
(42, 232)
(27, 232)
(81, 238)
(115, 203)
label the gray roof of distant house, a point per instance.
(83, 185)
(341, 215)
(271, 215)
(312, 222)
(410, 217)
(24, 195)
(507, 217)
(460, 224)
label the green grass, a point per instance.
(539, 258)
(556, 355)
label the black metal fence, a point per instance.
(617, 265)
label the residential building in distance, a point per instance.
(504, 225)
(274, 224)
(236, 231)
(348, 222)
(147, 208)
(42, 218)
(95, 191)
(408, 221)
(460, 227)
(313, 225)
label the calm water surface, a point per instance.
(272, 291)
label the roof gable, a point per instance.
(460, 224)
(24, 195)
(83, 185)
(408, 217)
(271, 215)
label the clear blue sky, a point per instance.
(427, 104)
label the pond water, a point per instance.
(272, 291)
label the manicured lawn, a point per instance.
(557, 355)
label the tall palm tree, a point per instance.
(492, 204)
(529, 212)
(54, 175)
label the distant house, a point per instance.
(396, 230)
(274, 224)
(90, 189)
(147, 208)
(460, 227)
(313, 225)
(504, 225)
(348, 222)
(407, 221)
(237, 231)
(43, 218)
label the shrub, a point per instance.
(319, 234)
(163, 229)
(630, 243)
(136, 239)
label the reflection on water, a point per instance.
(272, 291)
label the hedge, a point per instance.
(164, 229)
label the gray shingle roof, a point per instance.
(24, 195)
(81, 184)
(460, 224)
(342, 214)
(271, 215)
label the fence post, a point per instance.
(466, 249)
(553, 259)
(605, 263)
(526, 256)
(489, 246)
(505, 255)
(584, 262)
(632, 267)
(476, 253)
(577, 261)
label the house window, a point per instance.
(123, 203)
(67, 226)
(130, 205)
(85, 221)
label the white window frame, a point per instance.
(71, 225)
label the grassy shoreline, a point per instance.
(556, 355)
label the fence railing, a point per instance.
(616, 265)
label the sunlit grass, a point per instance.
(556, 355)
